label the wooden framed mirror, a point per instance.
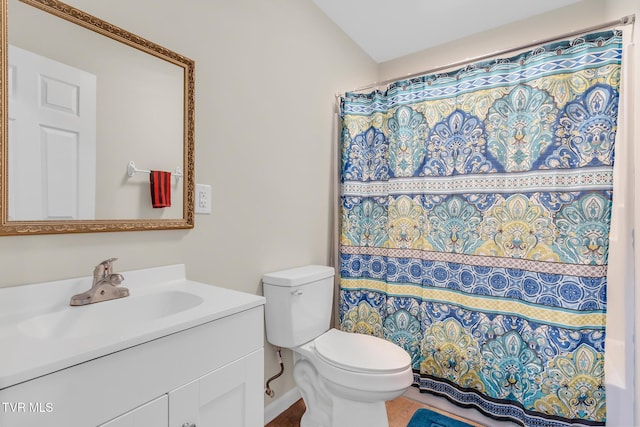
(142, 110)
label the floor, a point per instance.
(399, 412)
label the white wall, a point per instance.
(266, 76)
(620, 359)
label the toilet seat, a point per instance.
(361, 353)
(357, 367)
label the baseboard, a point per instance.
(281, 404)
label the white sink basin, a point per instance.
(41, 333)
(108, 316)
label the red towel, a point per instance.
(160, 189)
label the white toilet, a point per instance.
(344, 378)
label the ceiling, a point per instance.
(389, 29)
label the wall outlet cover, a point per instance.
(203, 199)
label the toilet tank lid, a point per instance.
(298, 276)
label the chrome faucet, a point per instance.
(104, 287)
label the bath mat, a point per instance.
(427, 418)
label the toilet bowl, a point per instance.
(344, 378)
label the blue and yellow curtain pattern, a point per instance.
(475, 216)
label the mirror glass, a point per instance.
(85, 99)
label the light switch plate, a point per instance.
(203, 199)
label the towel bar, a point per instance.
(132, 170)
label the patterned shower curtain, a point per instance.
(475, 216)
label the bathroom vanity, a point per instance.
(175, 353)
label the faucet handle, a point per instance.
(104, 268)
(108, 265)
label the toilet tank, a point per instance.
(298, 307)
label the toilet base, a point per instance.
(316, 398)
(359, 414)
(333, 405)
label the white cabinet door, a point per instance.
(230, 396)
(154, 413)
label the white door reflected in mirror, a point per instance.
(52, 139)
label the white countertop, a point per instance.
(41, 333)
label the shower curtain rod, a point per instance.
(625, 20)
